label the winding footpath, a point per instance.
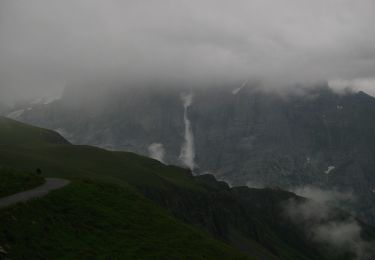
(40, 191)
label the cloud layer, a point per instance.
(46, 44)
(323, 225)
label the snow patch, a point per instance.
(339, 107)
(47, 101)
(329, 169)
(235, 91)
(44, 100)
(37, 101)
(16, 114)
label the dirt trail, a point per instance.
(49, 185)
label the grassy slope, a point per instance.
(13, 181)
(111, 167)
(116, 167)
(91, 220)
(100, 218)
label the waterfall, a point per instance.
(187, 154)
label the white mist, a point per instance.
(157, 151)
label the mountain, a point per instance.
(123, 205)
(313, 137)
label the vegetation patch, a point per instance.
(91, 220)
(13, 181)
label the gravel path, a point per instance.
(49, 185)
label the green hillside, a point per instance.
(123, 205)
(12, 181)
(90, 220)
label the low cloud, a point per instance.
(344, 234)
(327, 225)
(366, 85)
(48, 44)
(157, 151)
(333, 196)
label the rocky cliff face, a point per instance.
(316, 138)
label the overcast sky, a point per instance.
(46, 44)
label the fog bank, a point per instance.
(48, 44)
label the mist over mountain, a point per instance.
(317, 138)
(258, 117)
(47, 45)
